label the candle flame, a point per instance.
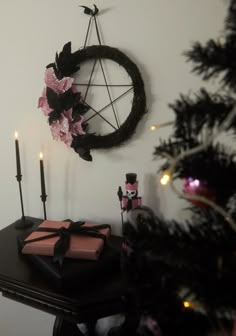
(41, 155)
(16, 135)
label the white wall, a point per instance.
(154, 34)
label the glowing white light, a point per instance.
(165, 179)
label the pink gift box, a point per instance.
(81, 247)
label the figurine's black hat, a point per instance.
(131, 178)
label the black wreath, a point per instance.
(67, 64)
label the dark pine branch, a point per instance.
(169, 257)
(164, 256)
(171, 148)
(204, 110)
(230, 22)
(209, 60)
(214, 59)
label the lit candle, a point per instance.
(43, 189)
(18, 167)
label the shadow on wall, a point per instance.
(150, 195)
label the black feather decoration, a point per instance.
(65, 63)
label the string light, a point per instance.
(153, 128)
(165, 179)
(187, 304)
(157, 126)
(175, 160)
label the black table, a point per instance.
(22, 283)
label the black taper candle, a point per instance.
(23, 222)
(120, 196)
(18, 166)
(43, 188)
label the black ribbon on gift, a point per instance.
(63, 243)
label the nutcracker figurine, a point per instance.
(131, 199)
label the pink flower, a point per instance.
(43, 103)
(60, 130)
(67, 139)
(76, 127)
(63, 128)
(59, 86)
(68, 115)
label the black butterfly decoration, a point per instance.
(64, 102)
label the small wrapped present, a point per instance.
(77, 240)
(73, 272)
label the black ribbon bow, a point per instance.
(63, 243)
(89, 11)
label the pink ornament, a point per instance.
(196, 187)
(59, 86)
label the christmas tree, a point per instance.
(183, 277)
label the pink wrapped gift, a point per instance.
(81, 245)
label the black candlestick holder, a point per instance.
(44, 199)
(23, 222)
(120, 195)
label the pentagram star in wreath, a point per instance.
(78, 113)
(111, 93)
